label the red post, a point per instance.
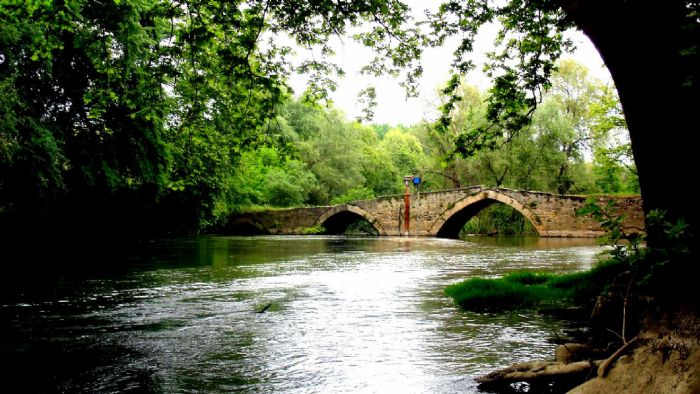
(407, 206)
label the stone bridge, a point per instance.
(441, 214)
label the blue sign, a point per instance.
(416, 180)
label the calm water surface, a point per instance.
(343, 315)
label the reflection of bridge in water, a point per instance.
(442, 214)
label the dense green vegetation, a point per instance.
(147, 116)
(127, 115)
(138, 118)
(576, 144)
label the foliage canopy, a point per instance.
(127, 111)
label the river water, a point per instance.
(341, 314)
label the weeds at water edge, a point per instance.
(527, 289)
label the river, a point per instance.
(341, 314)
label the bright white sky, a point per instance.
(392, 105)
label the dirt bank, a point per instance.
(663, 358)
(666, 360)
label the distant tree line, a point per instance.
(577, 144)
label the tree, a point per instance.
(331, 148)
(613, 163)
(405, 151)
(380, 172)
(359, 193)
(578, 114)
(269, 176)
(119, 113)
(445, 170)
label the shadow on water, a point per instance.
(530, 242)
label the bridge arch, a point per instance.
(246, 226)
(452, 220)
(336, 219)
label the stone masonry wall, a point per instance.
(553, 215)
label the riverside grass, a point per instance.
(527, 289)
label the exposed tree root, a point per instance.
(536, 372)
(546, 372)
(605, 366)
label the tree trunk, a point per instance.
(641, 43)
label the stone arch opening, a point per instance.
(451, 222)
(246, 226)
(338, 220)
(498, 219)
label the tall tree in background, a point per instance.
(579, 115)
(573, 93)
(469, 112)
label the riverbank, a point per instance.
(663, 358)
(631, 342)
(666, 360)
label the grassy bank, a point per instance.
(526, 288)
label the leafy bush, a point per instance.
(355, 194)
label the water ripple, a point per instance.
(363, 315)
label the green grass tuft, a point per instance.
(526, 288)
(528, 277)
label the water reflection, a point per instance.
(346, 315)
(531, 242)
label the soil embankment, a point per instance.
(666, 360)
